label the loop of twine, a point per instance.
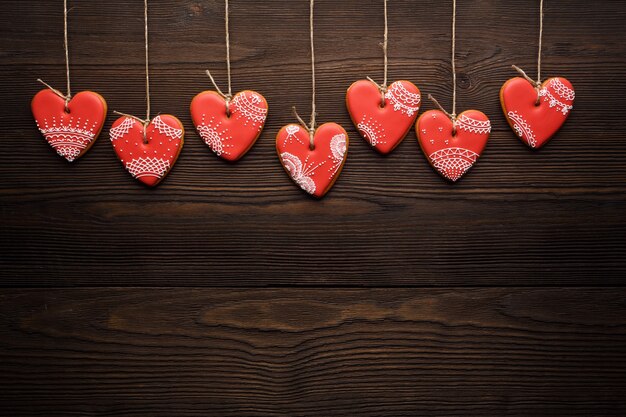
(145, 123)
(228, 96)
(535, 83)
(383, 87)
(67, 97)
(311, 126)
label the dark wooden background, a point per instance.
(228, 292)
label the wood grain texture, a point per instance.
(518, 218)
(394, 352)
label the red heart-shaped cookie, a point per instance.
(71, 133)
(452, 154)
(536, 123)
(314, 170)
(383, 127)
(151, 159)
(229, 136)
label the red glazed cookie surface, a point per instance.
(536, 124)
(71, 133)
(315, 171)
(148, 162)
(384, 128)
(453, 155)
(229, 137)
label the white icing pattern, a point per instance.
(215, 136)
(299, 172)
(561, 92)
(522, 128)
(291, 135)
(452, 163)
(472, 125)
(338, 152)
(403, 100)
(247, 106)
(371, 130)
(166, 129)
(120, 130)
(148, 167)
(70, 139)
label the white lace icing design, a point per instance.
(291, 135)
(300, 172)
(338, 152)
(68, 139)
(372, 131)
(561, 91)
(166, 129)
(215, 136)
(522, 128)
(148, 167)
(122, 129)
(452, 163)
(472, 125)
(403, 100)
(247, 106)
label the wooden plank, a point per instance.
(393, 352)
(552, 217)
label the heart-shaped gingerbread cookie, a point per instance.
(452, 154)
(384, 127)
(148, 157)
(535, 123)
(229, 136)
(314, 170)
(71, 133)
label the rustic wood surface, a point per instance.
(542, 234)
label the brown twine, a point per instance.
(227, 97)
(383, 87)
(145, 121)
(452, 115)
(311, 126)
(535, 83)
(67, 97)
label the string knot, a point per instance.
(537, 84)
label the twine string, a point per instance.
(383, 87)
(311, 126)
(145, 122)
(67, 97)
(452, 115)
(226, 96)
(145, 19)
(536, 83)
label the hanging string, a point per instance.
(452, 115)
(311, 126)
(536, 83)
(383, 87)
(67, 96)
(145, 121)
(228, 96)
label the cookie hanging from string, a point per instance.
(229, 124)
(70, 124)
(312, 156)
(383, 114)
(536, 110)
(452, 143)
(148, 148)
